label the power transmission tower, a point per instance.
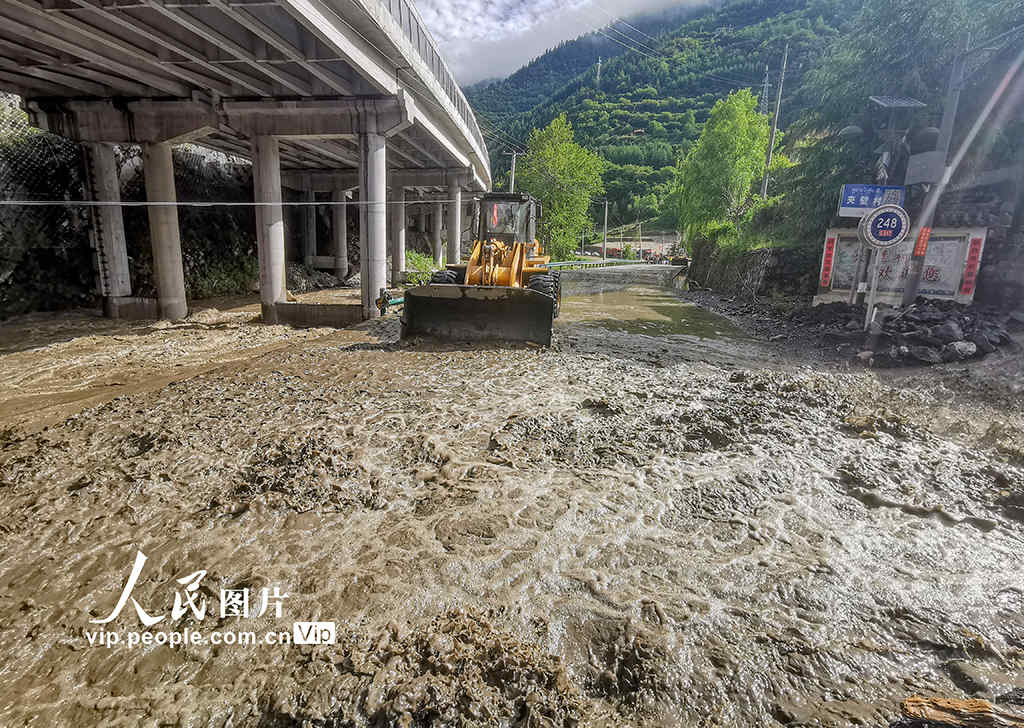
(775, 125)
(512, 176)
(599, 71)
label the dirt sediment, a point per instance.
(603, 533)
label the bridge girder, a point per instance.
(346, 179)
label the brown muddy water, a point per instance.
(657, 522)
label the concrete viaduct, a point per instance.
(336, 97)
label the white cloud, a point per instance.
(484, 39)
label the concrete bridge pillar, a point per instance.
(372, 218)
(436, 220)
(455, 224)
(339, 235)
(398, 226)
(169, 275)
(108, 223)
(309, 236)
(269, 224)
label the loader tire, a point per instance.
(542, 283)
(557, 276)
(547, 284)
(444, 276)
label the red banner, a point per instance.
(922, 242)
(971, 268)
(826, 263)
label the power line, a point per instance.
(614, 17)
(625, 45)
(611, 26)
(203, 203)
(644, 46)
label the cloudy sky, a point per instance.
(488, 38)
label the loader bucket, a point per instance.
(475, 313)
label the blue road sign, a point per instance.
(859, 200)
(886, 226)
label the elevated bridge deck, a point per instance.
(350, 97)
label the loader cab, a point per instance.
(509, 218)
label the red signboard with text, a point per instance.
(826, 262)
(971, 267)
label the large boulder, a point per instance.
(921, 337)
(926, 354)
(984, 344)
(948, 332)
(959, 350)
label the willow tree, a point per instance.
(565, 177)
(715, 183)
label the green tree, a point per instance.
(911, 58)
(564, 177)
(715, 182)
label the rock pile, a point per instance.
(302, 279)
(935, 331)
(929, 332)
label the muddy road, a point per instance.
(657, 522)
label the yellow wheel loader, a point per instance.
(504, 291)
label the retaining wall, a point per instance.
(595, 280)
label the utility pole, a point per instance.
(604, 246)
(931, 200)
(763, 105)
(512, 177)
(640, 243)
(775, 125)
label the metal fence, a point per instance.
(45, 258)
(606, 263)
(405, 14)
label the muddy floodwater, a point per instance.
(657, 522)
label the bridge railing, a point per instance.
(607, 263)
(405, 14)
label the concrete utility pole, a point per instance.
(931, 200)
(640, 244)
(762, 106)
(775, 125)
(512, 176)
(604, 245)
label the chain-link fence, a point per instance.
(46, 256)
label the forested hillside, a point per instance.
(648, 107)
(536, 82)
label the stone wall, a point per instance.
(762, 272)
(737, 274)
(1001, 277)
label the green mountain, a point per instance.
(541, 78)
(648, 106)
